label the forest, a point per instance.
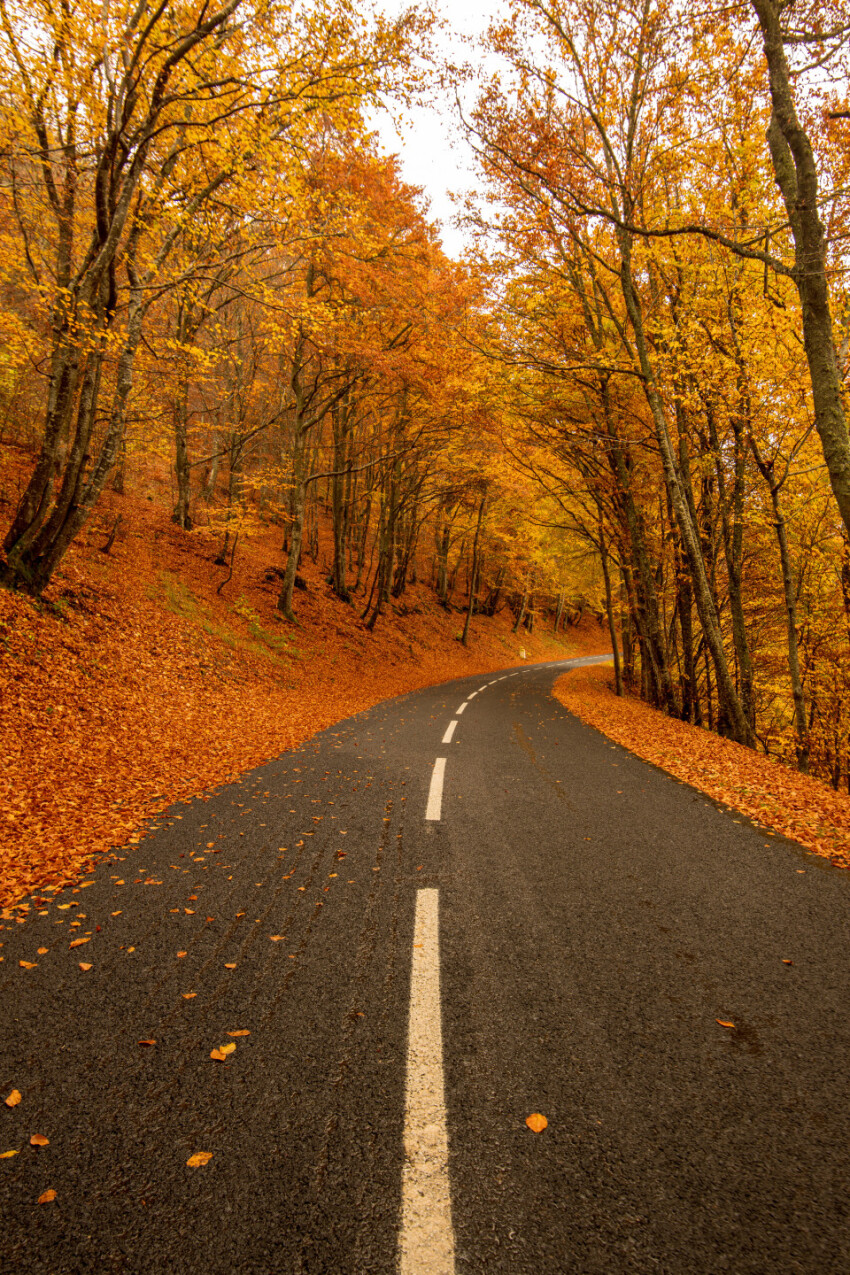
(629, 397)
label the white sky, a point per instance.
(433, 151)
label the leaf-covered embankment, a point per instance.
(137, 685)
(770, 794)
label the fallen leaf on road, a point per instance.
(243, 1032)
(131, 949)
(39, 1140)
(276, 938)
(84, 965)
(188, 996)
(14, 1098)
(785, 961)
(222, 1051)
(189, 911)
(217, 1055)
(536, 1122)
(30, 965)
(79, 942)
(7, 1155)
(42, 951)
(181, 954)
(200, 1157)
(47, 1197)
(147, 1042)
(723, 1023)
(118, 913)
(230, 966)
(210, 845)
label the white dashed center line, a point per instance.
(426, 1241)
(435, 793)
(447, 738)
(458, 711)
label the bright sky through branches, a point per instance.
(434, 154)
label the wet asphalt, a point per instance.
(597, 918)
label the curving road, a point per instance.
(430, 932)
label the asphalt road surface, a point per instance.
(424, 955)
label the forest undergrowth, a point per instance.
(774, 797)
(133, 684)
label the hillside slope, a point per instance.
(136, 684)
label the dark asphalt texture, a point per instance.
(596, 917)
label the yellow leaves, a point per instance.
(42, 951)
(147, 1042)
(536, 1122)
(723, 1023)
(13, 1098)
(230, 965)
(221, 1053)
(28, 965)
(199, 1158)
(85, 966)
(180, 955)
(78, 942)
(7, 1155)
(786, 961)
(47, 1197)
(39, 1140)
(189, 996)
(242, 1032)
(277, 938)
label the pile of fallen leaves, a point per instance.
(768, 793)
(136, 684)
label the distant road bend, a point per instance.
(430, 922)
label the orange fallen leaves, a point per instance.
(28, 965)
(13, 1098)
(39, 1140)
(199, 1158)
(723, 1023)
(242, 1032)
(79, 942)
(7, 1155)
(47, 1197)
(536, 1122)
(221, 1053)
(147, 1042)
(84, 965)
(189, 996)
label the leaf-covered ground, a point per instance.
(771, 795)
(138, 685)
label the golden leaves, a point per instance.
(242, 1032)
(722, 1022)
(221, 1053)
(7, 1155)
(147, 1042)
(28, 965)
(189, 996)
(79, 942)
(47, 1197)
(199, 1158)
(84, 966)
(181, 954)
(39, 1140)
(536, 1122)
(13, 1098)
(277, 938)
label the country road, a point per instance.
(431, 921)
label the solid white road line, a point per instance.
(458, 711)
(426, 1241)
(435, 792)
(447, 738)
